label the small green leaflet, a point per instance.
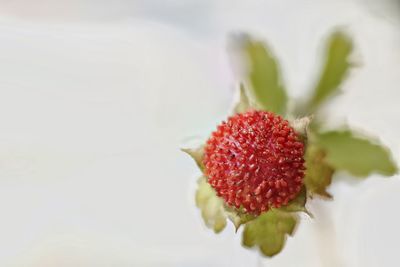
(338, 49)
(301, 126)
(297, 204)
(214, 211)
(243, 105)
(265, 85)
(211, 206)
(196, 154)
(238, 217)
(269, 230)
(357, 155)
(318, 174)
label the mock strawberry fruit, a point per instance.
(254, 161)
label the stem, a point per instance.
(325, 236)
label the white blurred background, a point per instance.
(97, 96)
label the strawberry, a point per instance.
(254, 161)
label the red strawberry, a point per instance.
(254, 161)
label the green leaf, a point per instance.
(338, 49)
(196, 154)
(244, 104)
(211, 206)
(214, 210)
(357, 155)
(269, 230)
(318, 174)
(265, 85)
(297, 204)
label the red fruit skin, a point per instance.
(254, 161)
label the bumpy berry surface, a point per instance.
(254, 161)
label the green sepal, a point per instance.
(318, 174)
(268, 231)
(244, 103)
(298, 204)
(211, 206)
(238, 217)
(196, 154)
